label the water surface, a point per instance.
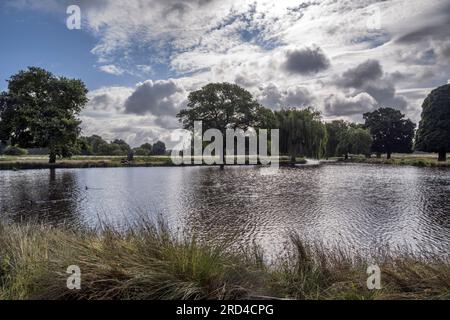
(357, 206)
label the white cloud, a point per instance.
(248, 41)
(112, 69)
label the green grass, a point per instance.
(417, 160)
(41, 162)
(149, 262)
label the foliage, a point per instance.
(354, 140)
(266, 119)
(141, 151)
(148, 147)
(159, 149)
(434, 128)
(40, 110)
(390, 131)
(336, 131)
(95, 145)
(302, 133)
(220, 106)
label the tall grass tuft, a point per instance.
(148, 261)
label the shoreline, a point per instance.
(28, 163)
(422, 162)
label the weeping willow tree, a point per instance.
(302, 133)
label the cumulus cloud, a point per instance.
(341, 105)
(360, 75)
(287, 53)
(107, 100)
(274, 97)
(159, 98)
(369, 78)
(306, 61)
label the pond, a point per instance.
(354, 206)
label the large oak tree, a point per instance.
(220, 106)
(41, 110)
(390, 130)
(434, 128)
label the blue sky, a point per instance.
(141, 58)
(41, 39)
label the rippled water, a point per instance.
(358, 207)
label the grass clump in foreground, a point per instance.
(148, 262)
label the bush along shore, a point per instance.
(148, 262)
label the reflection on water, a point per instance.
(356, 206)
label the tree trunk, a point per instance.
(346, 156)
(378, 155)
(52, 158)
(442, 156)
(293, 159)
(224, 149)
(389, 155)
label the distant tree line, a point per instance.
(41, 110)
(96, 146)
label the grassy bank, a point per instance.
(38, 162)
(427, 160)
(147, 262)
(41, 162)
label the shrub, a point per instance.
(15, 151)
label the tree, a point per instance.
(354, 140)
(390, 131)
(220, 106)
(123, 147)
(143, 150)
(302, 133)
(147, 146)
(159, 149)
(40, 110)
(336, 130)
(434, 128)
(97, 145)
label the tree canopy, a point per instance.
(220, 106)
(433, 134)
(40, 110)
(336, 130)
(302, 133)
(354, 140)
(390, 131)
(159, 148)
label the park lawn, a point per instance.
(418, 160)
(41, 162)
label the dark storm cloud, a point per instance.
(156, 98)
(368, 77)
(356, 77)
(385, 94)
(306, 61)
